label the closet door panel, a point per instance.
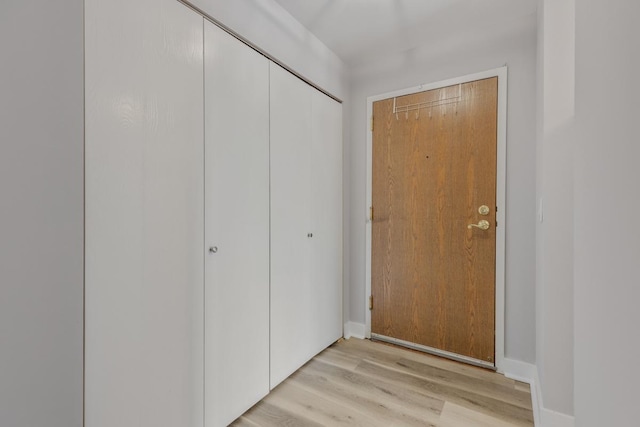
(144, 214)
(291, 299)
(326, 187)
(237, 224)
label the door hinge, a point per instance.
(370, 302)
(371, 213)
(371, 123)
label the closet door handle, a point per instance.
(309, 235)
(213, 249)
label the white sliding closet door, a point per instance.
(144, 214)
(237, 227)
(326, 188)
(291, 296)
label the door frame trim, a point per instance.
(501, 73)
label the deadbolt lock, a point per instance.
(484, 210)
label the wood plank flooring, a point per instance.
(363, 383)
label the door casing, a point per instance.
(501, 73)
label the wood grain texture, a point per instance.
(363, 383)
(433, 280)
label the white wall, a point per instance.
(41, 213)
(607, 207)
(459, 53)
(554, 273)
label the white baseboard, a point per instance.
(536, 399)
(355, 330)
(519, 371)
(556, 419)
(546, 417)
(528, 373)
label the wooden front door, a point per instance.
(434, 169)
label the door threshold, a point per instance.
(434, 351)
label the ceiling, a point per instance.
(360, 29)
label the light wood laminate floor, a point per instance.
(364, 383)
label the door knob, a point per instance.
(213, 249)
(482, 225)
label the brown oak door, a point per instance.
(434, 167)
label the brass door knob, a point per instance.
(482, 225)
